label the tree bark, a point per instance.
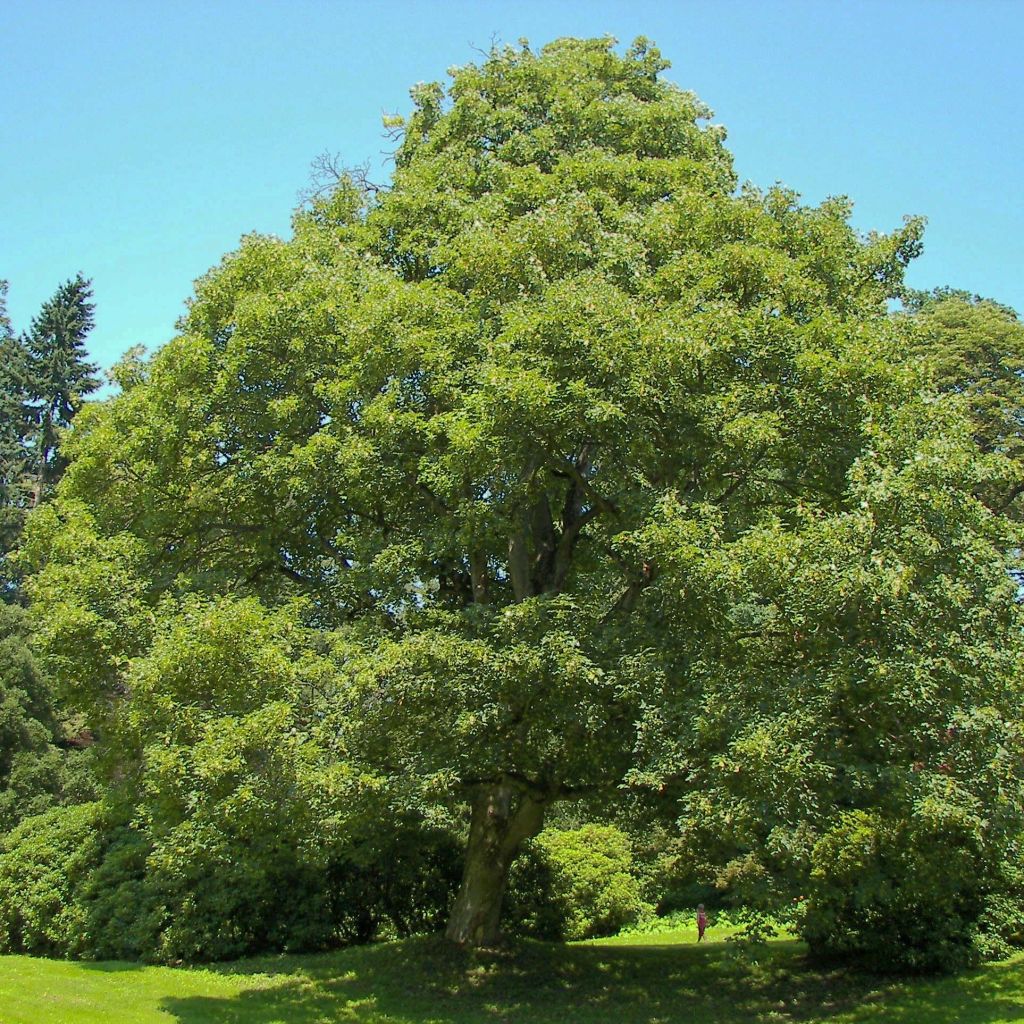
(502, 818)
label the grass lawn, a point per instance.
(639, 979)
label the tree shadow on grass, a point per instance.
(427, 982)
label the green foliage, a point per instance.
(256, 837)
(254, 823)
(16, 429)
(911, 897)
(26, 715)
(118, 903)
(398, 882)
(60, 375)
(79, 881)
(89, 605)
(225, 897)
(222, 894)
(249, 836)
(575, 884)
(44, 378)
(896, 630)
(72, 884)
(1000, 925)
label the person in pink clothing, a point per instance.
(702, 922)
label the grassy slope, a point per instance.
(667, 979)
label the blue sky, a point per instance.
(141, 140)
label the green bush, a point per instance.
(1001, 923)
(225, 897)
(238, 834)
(575, 884)
(73, 883)
(35, 772)
(43, 862)
(399, 882)
(897, 895)
(120, 906)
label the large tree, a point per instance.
(553, 445)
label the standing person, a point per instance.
(702, 922)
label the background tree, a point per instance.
(44, 375)
(975, 347)
(552, 447)
(40, 763)
(60, 374)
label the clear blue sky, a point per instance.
(141, 140)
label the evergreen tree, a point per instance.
(60, 375)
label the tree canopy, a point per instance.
(562, 466)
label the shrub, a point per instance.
(35, 773)
(72, 883)
(120, 906)
(225, 897)
(399, 882)
(900, 895)
(1001, 922)
(43, 861)
(575, 884)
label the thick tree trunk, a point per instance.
(502, 818)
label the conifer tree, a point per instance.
(60, 374)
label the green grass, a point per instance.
(638, 979)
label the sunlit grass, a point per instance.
(660, 978)
(678, 930)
